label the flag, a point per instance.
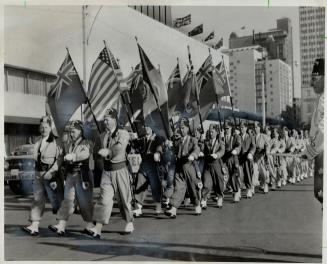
(182, 21)
(66, 94)
(103, 89)
(219, 44)
(205, 72)
(210, 36)
(174, 89)
(196, 31)
(242, 27)
(154, 94)
(220, 80)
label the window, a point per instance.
(238, 61)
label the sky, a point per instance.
(224, 20)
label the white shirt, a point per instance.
(43, 143)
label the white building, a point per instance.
(242, 63)
(312, 32)
(278, 86)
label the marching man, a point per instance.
(314, 150)
(47, 155)
(79, 182)
(115, 178)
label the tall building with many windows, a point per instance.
(159, 13)
(312, 46)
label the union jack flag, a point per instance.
(64, 76)
(220, 78)
(205, 72)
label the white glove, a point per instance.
(70, 157)
(190, 158)
(47, 175)
(85, 185)
(215, 156)
(104, 152)
(156, 157)
(133, 136)
(201, 154)
(250, 156)
(169, 143)
(234, 152)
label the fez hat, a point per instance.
(214, 127)
(185, 122)
(46, 119)
(242, 124)
(111, 112)
(228, 124)
(319, 67)
(76, 124)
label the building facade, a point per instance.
(278, 87)
(24, 104)
(312, 46)
(242, 79)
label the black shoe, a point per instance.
(53, 228)
(30, 232)
(91, 234)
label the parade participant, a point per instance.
(281, 171)
(246, 158)
(115, 177)
(296, 159)
(214, 170)
(290, 148)
(273, 146)
(310, 163)
(151, 148)
(186, 177)
(303, 164)
(233, 144)
(315, 149)
(79, 182)
(48, 157)
(260, 173)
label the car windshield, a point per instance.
(23, 150)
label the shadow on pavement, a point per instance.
(155, 250)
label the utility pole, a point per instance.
(84, 55)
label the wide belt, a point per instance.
(76, 167)
(40, 166)
(109, 166)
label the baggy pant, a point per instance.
(169, 189)
(271, 169)
(185, 179)
(42, 190)
(114, 182)
(247, 169)
(148, 174)
(319, 177)
(234, 172)
(282, 169)
(213, 179)
(260, 174)
(291, 167)
(84, 197)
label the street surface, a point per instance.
(283, 226)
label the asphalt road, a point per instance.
(283, 226)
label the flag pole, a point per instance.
(154, 96)
(217, 97)
(84, 55)
(122, 97)
(87, 99)
(196, 88)
(230, 96)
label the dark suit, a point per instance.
(248, 146)
(213, 168)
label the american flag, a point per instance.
(104, 84)
(205, 72)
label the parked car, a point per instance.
(19, 169)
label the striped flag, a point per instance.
(103, 91)
(205, 72)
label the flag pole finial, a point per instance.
(136, 39)
(67, 49)
(209, 50)
(105, 43)
(177, 60)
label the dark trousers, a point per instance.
(319, 177)
(185, 179)
(213, 179)
(247, 169)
